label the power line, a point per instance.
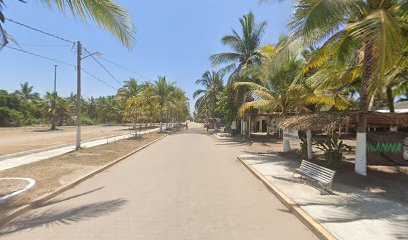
(44, 45)
(118, 65)
(40, 56)
(124, 68)
(100, 64)
(100, 80)
(40, 31)
(58, 61)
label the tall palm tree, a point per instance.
(26, 93)
(373, 28)
(107, 14)
(289, 89)
(209, 96)
(130, 89)
(245, 47)
(163, 90)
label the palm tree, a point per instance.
(274, 91)
(131, 88)
(107, 14)
(209, 96)
(26, 93)
(55, 107)
(289, 88)
(163, 90)
(108, 109)
(373, 28)
(245, 47)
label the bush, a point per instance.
(87, 121)
(333, 149)
(10, 117)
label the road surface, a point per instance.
(186, 186)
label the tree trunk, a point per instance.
(161, 119)
(53, 123)
(390, 99)
(361, 152)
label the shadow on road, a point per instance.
(58, 216)
(52, 202)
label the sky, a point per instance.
(173, 39)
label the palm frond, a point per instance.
(106, 13)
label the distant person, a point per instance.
(186, 125)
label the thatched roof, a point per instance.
(322, 121)
(328, 121)
(382, 119)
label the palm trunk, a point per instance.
(361, 152)
(161, 119)
(53, 123)
(390, 99)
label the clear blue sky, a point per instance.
(174, 39)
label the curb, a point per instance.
(301, 214)
(42, 199)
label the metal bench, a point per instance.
(321, 175)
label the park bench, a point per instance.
(318, 174)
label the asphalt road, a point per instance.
(186, 186)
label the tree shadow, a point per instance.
(52, 202)
(62, 216)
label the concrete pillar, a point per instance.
(309, 145)
(286, 146)
(360, 165)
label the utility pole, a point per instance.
(54, 100)
(78, 119)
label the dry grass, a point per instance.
(55, 172)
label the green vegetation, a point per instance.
(333, 149)
(106, 13)
(133, 103)
(340, 55)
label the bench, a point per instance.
(321, 175)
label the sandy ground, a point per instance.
(186, 186)
(13, 140)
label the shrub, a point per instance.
(333, 149)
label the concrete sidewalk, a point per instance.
(349, 213)
(38, 156)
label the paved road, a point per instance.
(186, 186)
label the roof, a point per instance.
(325, 121)
(328, 121)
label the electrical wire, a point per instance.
(100, 64)
(40, 56)
(61, 62)
(40, 31)
(100, 80)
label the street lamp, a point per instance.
(78, 123)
